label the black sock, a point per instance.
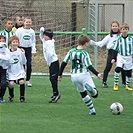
(11, 92)
(22, 90)
(3, 90)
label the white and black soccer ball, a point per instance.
(116, 108)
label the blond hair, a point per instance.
(124, 25)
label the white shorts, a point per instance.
(124, 62)
(80, 79)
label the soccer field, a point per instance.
(69, 115)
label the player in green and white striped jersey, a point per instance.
(7, 32)
(80, 76)
(124, 46)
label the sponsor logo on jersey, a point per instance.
(15, 61)
(26, 37)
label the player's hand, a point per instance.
(99, 76)
(42, 29)
(113, 61)
(22, 49)
(59, 78)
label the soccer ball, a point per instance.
(116, 108)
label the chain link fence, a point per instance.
(63, 15)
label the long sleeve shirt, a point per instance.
(108, 41)
(48, 49)
(4, 57)
(26, 38)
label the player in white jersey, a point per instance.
(16, 70)
(80, 76)
(124, 58)
(108, 41)
(27, 40)
(46, 36)
(4, 63)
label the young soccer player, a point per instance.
(27, 40)
(16, 70)
(124, 46)
(51, 58)
(19, 22)
(80, 76)
(7, 32)
(108, 41)
(4, 64)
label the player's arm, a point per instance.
(100, 43)
(93, 70)
(63, 65)
(5, 56)
(42, 29)
(33, 43)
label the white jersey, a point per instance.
(48, 50)
(108, 41)
(26, 38)
(16, 69)
(4, 57)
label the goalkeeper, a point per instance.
(51, 58)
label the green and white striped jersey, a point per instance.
(7, 35)
(80, 60)
(123, 45)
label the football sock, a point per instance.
(128, 81)
(11, 92)
(116, 78)
(87, 100)
(22, 90)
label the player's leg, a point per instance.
(107, 68)
(123, 76)
(116, 77)
(54, 70)
(11, 90)
(85, 97)
(3, 84)
(28, 55)
(128, 79)
(22, 90)
(88, 84)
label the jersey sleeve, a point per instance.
(67, 57)
(101, 43)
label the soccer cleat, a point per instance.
(105, 85)
(92, 112)
(22, 100)
(2, 100)
(129, 88)
(54, 99)
(10, 99)
(28, 83)
(115, 87)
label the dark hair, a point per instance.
(49, 33)
(111, 31)
(1, 36)
(82, 39)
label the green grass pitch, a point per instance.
(69, 115)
